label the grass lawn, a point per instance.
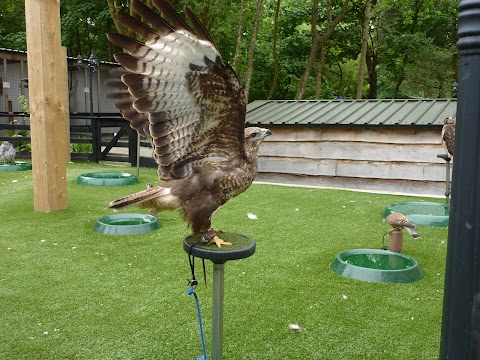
(67, 292)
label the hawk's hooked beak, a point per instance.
(266, 132)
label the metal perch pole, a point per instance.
(448, 185)
(217, 315)
(460, 338)
(242, 247)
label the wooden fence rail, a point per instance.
(107, 130)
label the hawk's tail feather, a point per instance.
(413, 232)
(138, 198)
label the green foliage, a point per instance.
(81, 148)
(68, 292)
(413, 42)
(84, 28)
(417, 48)
(23, 101)
(12, 25)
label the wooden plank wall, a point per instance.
(397, 160)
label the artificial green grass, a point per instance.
(67, 292)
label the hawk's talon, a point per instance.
(219, 242)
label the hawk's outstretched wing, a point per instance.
(177, 89)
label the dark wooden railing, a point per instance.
(83, 130)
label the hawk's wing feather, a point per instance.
(124, 102)
(200, 30)
(193, 99)
(140, 28)
(171, 15)
(151, 16)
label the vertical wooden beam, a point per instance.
(48, 95)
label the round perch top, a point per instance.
(242, 247)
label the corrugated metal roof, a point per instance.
(382, 112)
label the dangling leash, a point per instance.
(193, 283)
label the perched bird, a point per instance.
(175, 88)
(448, 135)
(7, 152)
(399, 222)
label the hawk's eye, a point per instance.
(254, 134)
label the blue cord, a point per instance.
(190, 292)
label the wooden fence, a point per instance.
(102, 130)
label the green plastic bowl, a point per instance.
(107, 179)
(16, 166)
(421, 213)
(126, 224)
(377, 266)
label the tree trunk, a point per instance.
(251, 51)
(276, 65)
(363, 52)
(398, 83)
(239, 35)
(372, 62)
(401, 76)
(317, 39)
(114, 6)
(302, 84)
(318, 85)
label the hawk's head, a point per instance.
(254, 137)
(449, 120)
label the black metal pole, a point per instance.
(461, 308)
(96, 129)
(132, 146)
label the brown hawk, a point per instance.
(175, 88)
(448, 135)
(399, 222)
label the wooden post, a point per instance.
(396, 241)
(48, 97)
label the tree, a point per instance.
(317, 39)
(363, 52)
(239, 34)
(84, 28)
(12, 25)
(276, 64)
(251, 51)
(290, 49)
(411, 40)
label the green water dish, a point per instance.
(421, 213)
(377, 266)
(107, 179)
(126, 224)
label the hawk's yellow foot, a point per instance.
(211, 238)
(219, 242)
